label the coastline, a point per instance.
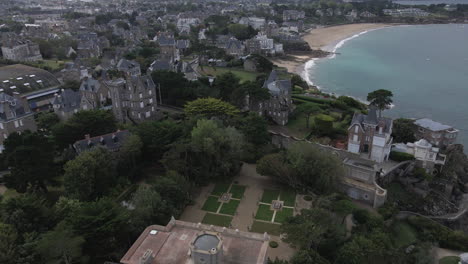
(325, 39)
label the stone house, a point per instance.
(167, 44)
(234, 47)
(293, 15)
(371, 135)
(111, 141)
(15, 116)
(94, 95)
(439, 135)
(66, 103)
(133, 99)
(21, 50)
(279, 106)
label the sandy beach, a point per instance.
(324, 39)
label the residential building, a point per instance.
(21, 50)
(371, 135)
(133, 99)
(235, 47)
(427, 156)
(279, 106)
(182, 242)
(293, 15)
(111, 141)
(167, 44)
(406, 12)
(15, 116)
(66, 103)
(439, 135)
(255, 22)
(94, 95)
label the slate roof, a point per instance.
(10, 104)
(112, 141)
(67, 101)
(160, 65)
(164, 40)
(372, 119)
(124, 65)
(90, 84)
(431, 124)
(183, 44)
(277, 86)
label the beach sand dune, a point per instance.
(325, 39)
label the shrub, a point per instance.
(273, 244)
(323, 124)
(361, 216)
(400, 156)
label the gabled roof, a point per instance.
(67, 101)
(277, 86)
(112, 141)
(90, 84)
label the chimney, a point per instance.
(87, 136)
(103, 142)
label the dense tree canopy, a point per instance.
(303, 166)
(210, 107)
(31, 158)
(403, 130)
(90, 175)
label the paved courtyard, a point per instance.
(247, 203)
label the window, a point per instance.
(21, 122)
(356, 129)
(131, 96)
(355, 137)
(142, 104)
(141, 95)
(151, 100)
(1, 125)
(16, 123)
(150, 92)
(152, 108)
(148, 114)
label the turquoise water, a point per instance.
(426, 68)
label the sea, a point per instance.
(425, 66)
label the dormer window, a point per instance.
(102, 141)
(115, 138)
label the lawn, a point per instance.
(449, 260)
(218, 220)
(262, 227)
(230, 207)
(237, 191)
(264, 213)
(211, 204)
(283, 214)
(297, 126)
(403, 234)
(289, 197)
(220, 188)
(269, 195)
(243, 75)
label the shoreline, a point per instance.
(324, 39)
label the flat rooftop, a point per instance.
(171, 244)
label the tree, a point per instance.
(308, 229)
(255, 92)
(304, 166)
(157, 136)
(213, 153)
(254, 128)
(8, 240)
(90, 175)
(226, 84)
(323, 124)
(403, 130)
(61, 245)
(149, 209)
(308, 109)
(382, 99)
(92, 122)
(129, 155)
(175, 89)
(104, 225)
(241, 32)
(308, 257)
(31, 158)
(210, 107)
(174, 190)
(45, 121)
(26, 213)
